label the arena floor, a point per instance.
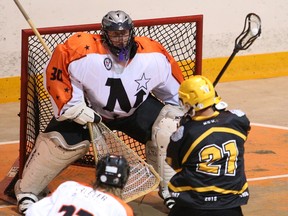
(265, 102)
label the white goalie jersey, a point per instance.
(72, 198)
(83, 67)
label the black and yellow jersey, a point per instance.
(208, 156)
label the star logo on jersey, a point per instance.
(142, 82)
(108, 63)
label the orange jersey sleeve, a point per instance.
(58, 81)
(149, 45)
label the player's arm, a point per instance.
(174, 148)
(167, 91)
(125, 209)
(175, 69)
(57, 79)
(66, 93)
(241, 121)
(171, 76)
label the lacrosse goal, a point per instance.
(181, 36)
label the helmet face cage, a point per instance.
(113, 170)
(118, 21)
(198, 92)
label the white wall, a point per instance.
(223, 21)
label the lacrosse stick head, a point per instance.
(251, 31)
(113, 170)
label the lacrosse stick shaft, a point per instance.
(34, 29)
(225, 67)
(90, 127)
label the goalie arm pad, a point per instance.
(81, 114)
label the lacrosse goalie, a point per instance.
(127, 82)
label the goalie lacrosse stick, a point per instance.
(90, 127)
(34, 29)
(251, 31)
(143, 178)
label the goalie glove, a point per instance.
(81, 114)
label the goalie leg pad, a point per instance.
(165, 124)
(49, 157)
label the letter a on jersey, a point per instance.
(117, 92)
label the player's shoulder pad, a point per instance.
(146, 45)
(69, 184)
(178, 134)
(237, 112)
(85, 43)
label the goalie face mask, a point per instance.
(117, 31)
(113, 170)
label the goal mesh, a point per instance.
(181, 36)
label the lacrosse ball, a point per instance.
(254, 31)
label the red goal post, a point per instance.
(181, 36)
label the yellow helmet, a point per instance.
(198, 92)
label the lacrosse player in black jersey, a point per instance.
(207, 153)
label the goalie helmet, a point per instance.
(119, 21)
(198, 92)
(113, 170)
